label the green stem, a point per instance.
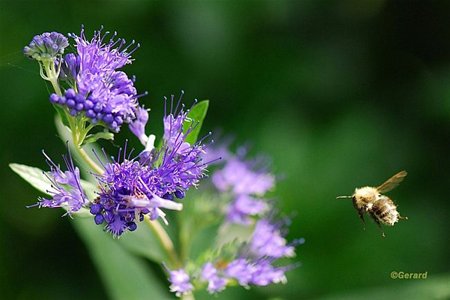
(51, 74)
(88, 160)
(56, 86)
(185, 236)
(188, 296)
(165, 241)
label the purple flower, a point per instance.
(99, 56)
(129, 190)
(265, 273)
(239, 177)
(244, 206)
(70, 67)
(132, 188)
(241, 270)
(180, 159)
(180, 283)
(67, 191)
(215, 282)
(137, 127)
(100, 91)
(258, 272)
(267, 240)
(46, 46)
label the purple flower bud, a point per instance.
(137, 127)
(70, 103)
(70, 93)
(54, 98)
(46, 46)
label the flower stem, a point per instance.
(56, 87)
(77, 126)
(188, 296)
(88, 160)
(165, 241)
(50, 74)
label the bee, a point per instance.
(380, 207)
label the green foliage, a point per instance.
(335, 109)
(124, 275)
(437, 287)
(194, 121)
(34, 176)
(92, 138)
(114, 258)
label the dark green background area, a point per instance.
(339, 93)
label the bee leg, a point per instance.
(361, 216)
(379, 226)
(402, 218)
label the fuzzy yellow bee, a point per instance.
(380, 207)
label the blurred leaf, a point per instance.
(436, 287)
(125, 276)
(37, 178)
(89, 188)
(194, 120)
(92, 138)
(34, 176)
(143, 242)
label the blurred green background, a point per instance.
(339, 93)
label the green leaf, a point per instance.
(90, 189)
(434, 287)
(143, 242)
(34, 176)
(37, 178)
(124, 275)
(195, 119)
(92, 138)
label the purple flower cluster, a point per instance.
(103, 94)
(67, 191)
(246, 183)
(97, 89)
(252, 260)
(46, 46)
(150, 182)
(254, 267)
(268, 241)
(131, 188)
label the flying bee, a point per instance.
(380, 207)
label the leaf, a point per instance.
(434, 287)
(92, 138)
(124, 275)
(33, 176)
(195, 119)
(143, 242)
(37, 178)
(89, 188)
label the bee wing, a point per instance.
(392, 182)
